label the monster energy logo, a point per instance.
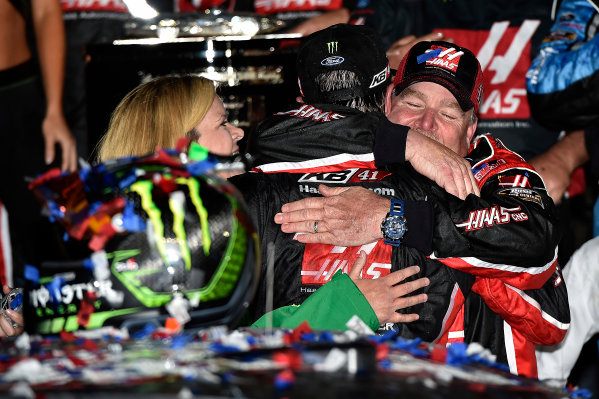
(332, 46)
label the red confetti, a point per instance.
(86, 308)
(303, 328)
(66, 336)
(382, 351)
(438, 354)
(288, 358)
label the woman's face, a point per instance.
(215, 133)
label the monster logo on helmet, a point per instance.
(169, 239)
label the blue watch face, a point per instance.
(394, 227)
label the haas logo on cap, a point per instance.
(446, 58)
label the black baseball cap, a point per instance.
(355, 48)
(453, 67)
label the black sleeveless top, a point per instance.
(23, 7)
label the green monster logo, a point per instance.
(144, 189)
(332, 47)
(224, 278)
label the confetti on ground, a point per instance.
(250, 363)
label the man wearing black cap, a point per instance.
(500, 247)
(328, 136)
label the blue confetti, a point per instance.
(309, 337)
(220, 348)
(54, 288)
(128, 179)
(131, 220)
(581, 393)
(385, 364)
(387, 336)
(84, 173)
(56, 211)
(326, 336)
(145, 332)
(282, 382)
(251, 340)
(94, 206)
(411, 346)
(199, 168)
(32, 274)
(179, 341)
(456, 354)
(88, 264)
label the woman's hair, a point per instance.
(156, 114)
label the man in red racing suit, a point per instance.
(502, 279)
(491, 259)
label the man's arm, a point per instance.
(340, 210)
(557, 163)
(591, 143)
(509, 232)
(400, 48)
(322, 21)
(51, 49)
(428, 157)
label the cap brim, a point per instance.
(460, 94)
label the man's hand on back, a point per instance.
(346, 216)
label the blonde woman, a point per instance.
(159, 112)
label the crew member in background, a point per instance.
(89, 22)
(33, 131)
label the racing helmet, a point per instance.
(168, 238)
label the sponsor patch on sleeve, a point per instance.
(525, 194)
(480, 171)
(514, 181)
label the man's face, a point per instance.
(432, 110)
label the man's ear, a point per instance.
(388, 99)
(471, 130)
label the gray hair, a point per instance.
(343, 79)
(473, 117)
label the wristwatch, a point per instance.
(394, 224)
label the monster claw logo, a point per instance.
(332, 46)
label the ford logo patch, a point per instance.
(330, 61)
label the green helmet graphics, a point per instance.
(167, 238)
